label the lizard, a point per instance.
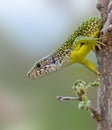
(73, 50)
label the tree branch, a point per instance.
(104, 57)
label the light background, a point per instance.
(29, 30)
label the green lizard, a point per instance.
(73, 50)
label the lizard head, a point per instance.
(44, 66)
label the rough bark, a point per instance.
(104, 57)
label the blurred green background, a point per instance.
(29, 30)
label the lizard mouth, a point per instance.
(32, 74)
(42, 71)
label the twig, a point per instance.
(62, 98)
(80, 87)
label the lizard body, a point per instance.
(73, 50)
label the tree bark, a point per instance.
(104, 56)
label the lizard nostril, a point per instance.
(28, 74)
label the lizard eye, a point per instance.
(38, 65)
(82, 44)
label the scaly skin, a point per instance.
(73, 50)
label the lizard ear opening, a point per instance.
(52, 60)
